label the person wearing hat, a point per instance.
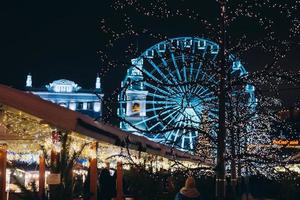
(189, 191)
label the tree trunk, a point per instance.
(233, 166)
(221, 145)
(220, 180)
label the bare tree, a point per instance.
(223, 27)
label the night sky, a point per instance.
(51, 41)
(60, 40)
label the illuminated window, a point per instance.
(72, 105)
(97, 106)
(136, 107)
(84, 105)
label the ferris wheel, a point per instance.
(167, 94)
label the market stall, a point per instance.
(32, 128)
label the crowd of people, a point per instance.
(107, 186)
(139, 184)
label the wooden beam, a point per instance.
(3, 160)
(119, 181)
(93, 178)
(15, 137)
(42, 168)
(54, 160)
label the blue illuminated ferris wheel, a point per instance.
(168, 92)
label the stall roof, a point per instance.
(66, 119)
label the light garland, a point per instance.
(29, 158)
(27, 151)
(272, 77)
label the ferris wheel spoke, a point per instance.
(172, 119)
(177, 132)
(154, 126)
(174, 111)
(176, 67)
(158, 108)
(209, 96)
(159, 71)
(175, 91)
(206, 93)
(191, 140)
(162, 58)
(213, 110)
(209, 99)
(176, 108)
(184, 67)
(198, 92)
(191, 71)
(161, 102)
(174, 84)
(145, 120)
(196, 89)
(156, 136)
(173, 77)
(157, 88)
(150, 75)
(175, 81)
(169, 71)
(180, 89)
(162, 75)
(198, 71)
(157, 95)
(211, 78)
(198, 111)
(213, 115)
(175, 137)
(169, 135)
(183, 139)
(203, 92)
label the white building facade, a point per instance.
(68, 94)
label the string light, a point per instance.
(270, 78)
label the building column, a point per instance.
(93, 172)
(42, 168)
(119, 181)
(3, 160)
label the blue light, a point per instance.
(70, 95)
(165, 102)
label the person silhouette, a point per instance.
(106, 184)
(189, 191)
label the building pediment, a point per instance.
(63, 85)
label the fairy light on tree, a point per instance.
(224, 25)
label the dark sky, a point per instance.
(60, 40)
(50, 40)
